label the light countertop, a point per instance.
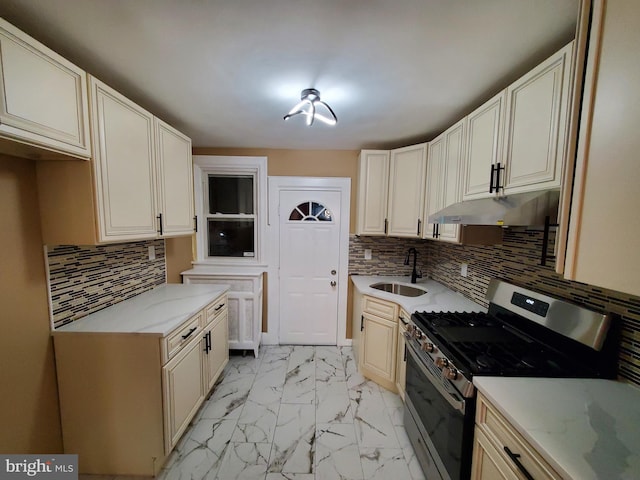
(584, 428)
(437, 298)
(156, 312)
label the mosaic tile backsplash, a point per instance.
(517, 261)
(85, 279)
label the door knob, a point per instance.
(333, 272)
(333, 283)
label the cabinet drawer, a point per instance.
(500, 432)
(174, 342)
(381, 308)
(215, 309)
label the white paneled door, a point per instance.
(309, 266)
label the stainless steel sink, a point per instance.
(399, 289)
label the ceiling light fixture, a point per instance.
(309, 101)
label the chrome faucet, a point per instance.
(414, 273)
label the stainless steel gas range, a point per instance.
(523, 334)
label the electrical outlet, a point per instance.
(464, 269)
(367, 254)
(152, 252)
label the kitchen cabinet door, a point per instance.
(487, 463)
(607, 172)
(433, 194)
(373, 192)
(123, 138)
(406, 191)
(485, 127)
(175, 180)
(401, 369)
(378, 350)
(217, 355)
(536, 125)
(451, 175)
(43, 99)
(183, 391)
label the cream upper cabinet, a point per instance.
(433, 185)
(43, 100)
(137, 186)
(444, 178)
(123, 138)
(516, 141)
(607, 173)
(175, 180)
(373, 192)
(451, 176)
(406, 191)
(485, 128)
(536, 126)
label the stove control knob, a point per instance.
(451, 373)
(417, 334)
(429, 347)
(410, 329)
(442, 362)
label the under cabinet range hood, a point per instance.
(521, 209)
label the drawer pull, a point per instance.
(219, 307)
(515, 457)
(404, 322)
(188, 334)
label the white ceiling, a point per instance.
(226, 71)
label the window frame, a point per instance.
(256, 167)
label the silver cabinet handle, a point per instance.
(333, 272)
(333, 283)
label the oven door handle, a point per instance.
(459, 405)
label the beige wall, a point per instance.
(29, 414)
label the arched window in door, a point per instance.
(310, 212)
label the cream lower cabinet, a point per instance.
(379, 341)
(127, 398)
(43, 100)
(500, 452)
(401, 368)
(184, 390)
(245, 304)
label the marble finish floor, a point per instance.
(299, 413)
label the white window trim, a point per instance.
(203, 165)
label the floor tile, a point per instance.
(337, 454)
(299, 385)
(383, 463)
(246, 461)
(333, 403)
(229, 397)
(294, 439)
(257, 423)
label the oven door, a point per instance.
(443, 418)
